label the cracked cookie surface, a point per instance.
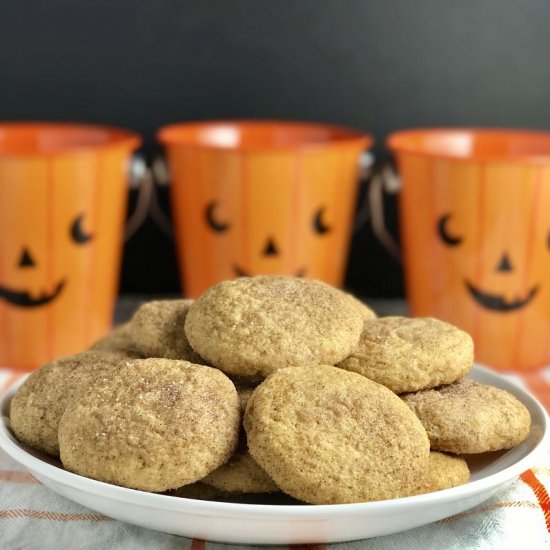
(327, 436)
(408, 355)
(257, 325)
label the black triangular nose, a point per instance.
(26, 259)
(504, 264)
(270, 248)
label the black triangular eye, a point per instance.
(319, 225)
(219, 227)
(78, 235)
(443, 232)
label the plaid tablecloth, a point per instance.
(516, 517)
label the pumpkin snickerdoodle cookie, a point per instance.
(467, 417)
(408, 355)
(244, 393)
(154, 425)
(327, 436)
(444, 471)
(157, 328)
(39, 403)
(364, 310)
(118, 341)
(258, 325)
(242, 474)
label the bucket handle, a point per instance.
(140, 178)
(384, 181)
(161, 178)
(366, 170)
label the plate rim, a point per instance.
(298, 512)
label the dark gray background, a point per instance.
(376, 65)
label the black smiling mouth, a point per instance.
(24, 299)
(242, 273)
(499, 303)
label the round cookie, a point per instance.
(157, 329)
(364, 310)
(257, 325)
(467, 417)
(327, 436)
(242, 474)
(39, 403)
(244, 393)
(444, 472)
(154, 425)
(408, 355)
(118, 341)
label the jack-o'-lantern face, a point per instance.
(279, 211)
(505, 267)
(475, 231)
(271, 248)
(30, 298)
(63, 190)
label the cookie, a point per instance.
(154, 425)
(327, 436)
(244, 393)
(242, 474)
(407, 355)
(364, 310)
(257, 325)
(118, 341)
(444, 472)
(157, 329)
(467, 417)
(37, 406)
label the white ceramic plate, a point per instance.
(290, 524)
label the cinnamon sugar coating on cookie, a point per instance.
(364, 310)
(242, 474)
(157, 329)
(118, 341)
(39, 403)
(467, 417)
(154, 425)
(444, 471)
(257, 325)
(408, 355)
(327, 436)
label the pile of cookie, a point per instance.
(270, 385)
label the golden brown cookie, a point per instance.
(242, 474)
(37, 406)
(327, 436)
(154, 425)
(364, 310)
(244, 393)
(157, 328)
(467, 417)
(444, 472)
(407, 355)
(257, 325)
(118, 341)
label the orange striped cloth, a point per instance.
(516, 517)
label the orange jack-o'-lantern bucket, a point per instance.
(262, 197)
(62, 206)
(476, 236)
